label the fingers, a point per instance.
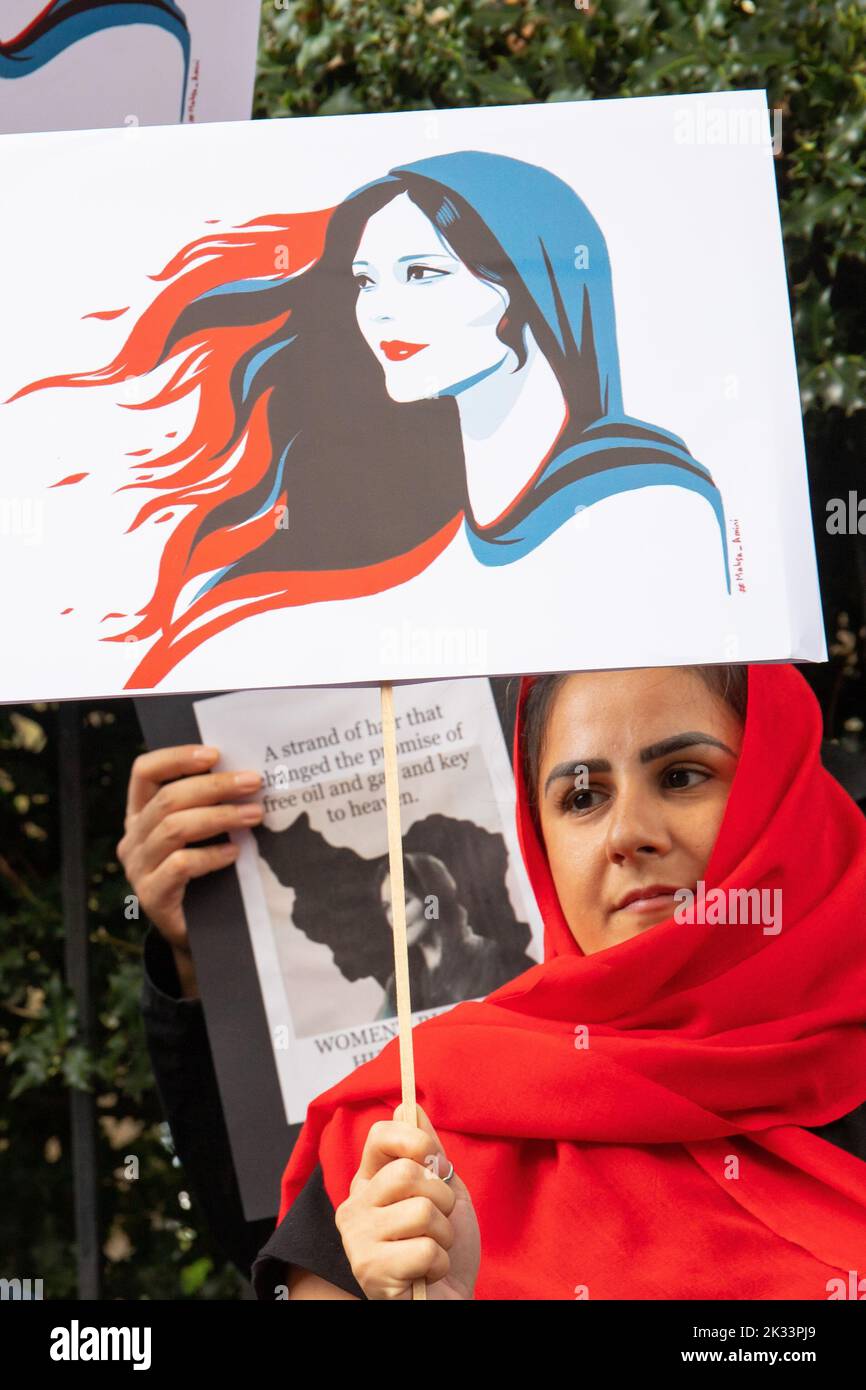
(174, 799)
(389, 1245)
(404, 1178)
(388, 1267)
(151, 770)
(177, 829)
(185, 864)
(165, 886)
(152, 797)
(391, 1139)
(435, 1159)
(415, 1216)
(400, 1161)
(177, 783)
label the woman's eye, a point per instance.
(685, 772)
(578, 801)
(361, 277)
(422, 271)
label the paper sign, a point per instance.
(87, 64)
(415, 396)
(315, 879)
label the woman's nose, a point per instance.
(376, 304)
(636, 829)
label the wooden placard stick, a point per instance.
(398, 912)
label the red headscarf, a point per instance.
(666, 1159)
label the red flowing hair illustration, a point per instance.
(224, 316)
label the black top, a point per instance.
(307, 1236)
(183, 1068)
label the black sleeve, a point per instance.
(849, 1132)
(183, 1069)
(307, 1236)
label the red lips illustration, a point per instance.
(397, 351)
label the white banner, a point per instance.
(406, 397)
(88, 64)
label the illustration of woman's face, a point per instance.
(416, 922)
(426, 318)
(659, 751)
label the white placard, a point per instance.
(89, 64)
(572, 439)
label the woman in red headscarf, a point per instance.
(671, 1105)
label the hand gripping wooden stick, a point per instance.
(398, 911)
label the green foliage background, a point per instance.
(343, 56)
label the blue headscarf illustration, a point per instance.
(292, 413)
(557, 248)
(64, 22)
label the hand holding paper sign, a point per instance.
(171, 802)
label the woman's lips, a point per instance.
(397, 351)
(664, 900)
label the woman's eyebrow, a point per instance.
(569, 769)
(646, 755)
(677, 741)
(425, 256)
